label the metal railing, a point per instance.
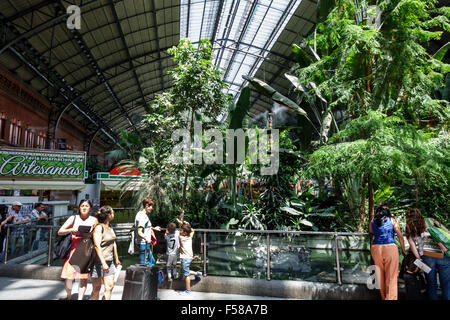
(123, 233)
(28, 238)
(268, 233)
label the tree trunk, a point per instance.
(362, 207)
(417, 191)
(321, 186)
(371, 197)
(186, 174)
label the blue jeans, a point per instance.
(441, 266)
(150, 258)
(185, 266)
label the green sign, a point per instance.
(19, 163)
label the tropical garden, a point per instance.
(370, 102)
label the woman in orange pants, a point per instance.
(385, 252)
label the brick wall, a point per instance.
(18, 102)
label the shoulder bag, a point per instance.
(439, 235)
(85, 255)
(62, 248)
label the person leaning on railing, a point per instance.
(3, 221)
(16, 241)
(385, 252)
(145, 232)
(426, 249)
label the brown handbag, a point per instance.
(85, 255)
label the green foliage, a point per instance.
(383, 68)
(394, 98)
(197, 83)
(392, 92)
(93, 166)
(128, 147)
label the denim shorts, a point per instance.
(98, 272)
(185, 264)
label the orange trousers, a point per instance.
(386, 259)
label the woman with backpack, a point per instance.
(78, 225)
(385, 252)
(107, 260)
(429, 252)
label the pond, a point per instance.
(309, 258)
(292, 256)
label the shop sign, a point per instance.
(29, 163)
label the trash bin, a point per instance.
(141, 283)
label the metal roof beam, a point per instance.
(127, 51)
(137, 105)
(96, 85)
(271, 37)
(227, 29)
(31, 9)
(31, 58)
(241, 36)
(274, 76)
(216, 21)
(78, 38)
(157, 40)
(23, 36)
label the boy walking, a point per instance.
(173, 247)
(186, 253)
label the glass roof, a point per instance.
(243, 31)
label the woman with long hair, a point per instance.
(107, 258)
(428, 251)
(385, 252)
(79, 225)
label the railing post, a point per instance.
(5, 256)
(50, 247)
(268, 256)
(338, 263)
(204, 254)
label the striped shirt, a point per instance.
(426, 243)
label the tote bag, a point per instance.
(440, 236)
(84, 256)
(62, 248)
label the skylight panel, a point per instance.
(244, 31)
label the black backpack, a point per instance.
(62, 248)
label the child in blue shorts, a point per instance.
(186, 253)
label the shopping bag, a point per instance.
(62, 248)
(439, 235)
(84, 256)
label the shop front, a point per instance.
(53, 177)
(114, 188)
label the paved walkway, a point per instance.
(32, 289)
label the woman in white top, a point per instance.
(72, 225)
(145, 235)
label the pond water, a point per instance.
(292, 257)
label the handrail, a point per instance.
(268, 233)
(331, 233)
(335, 235)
